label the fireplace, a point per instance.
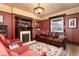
(25, 36)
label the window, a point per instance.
(57, 24)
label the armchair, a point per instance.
(7, 42)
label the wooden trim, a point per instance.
(23, 17)
(65, 25)
(49, 25)
(76, 43)
(18, 15)
(57, 16)
(5, 12)
(63, 15)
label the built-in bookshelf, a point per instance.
(22, 24)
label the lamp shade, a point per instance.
(38, 9)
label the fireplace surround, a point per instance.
(25, 36)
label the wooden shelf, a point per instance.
(22, 24)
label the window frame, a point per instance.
(55, 17)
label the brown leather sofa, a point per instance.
(50, 39)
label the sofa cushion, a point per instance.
(12, 53)
(3, 50)
(21, 49)
(57, 40)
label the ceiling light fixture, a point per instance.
(38, 9)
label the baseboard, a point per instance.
(76, 43)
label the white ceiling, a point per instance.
(50, 8)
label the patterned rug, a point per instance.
(50, 50)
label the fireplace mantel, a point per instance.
(25, 36)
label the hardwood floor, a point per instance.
(72, 50)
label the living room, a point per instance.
(54, 29)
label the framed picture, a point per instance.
(1, 18)
(72, 23)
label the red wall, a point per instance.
(72, 34)
(13, 26)
(34, 30)
(45, 25)
(8, 22)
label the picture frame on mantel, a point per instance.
(72, 23)
(1, 19)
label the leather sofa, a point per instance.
(51, 39)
